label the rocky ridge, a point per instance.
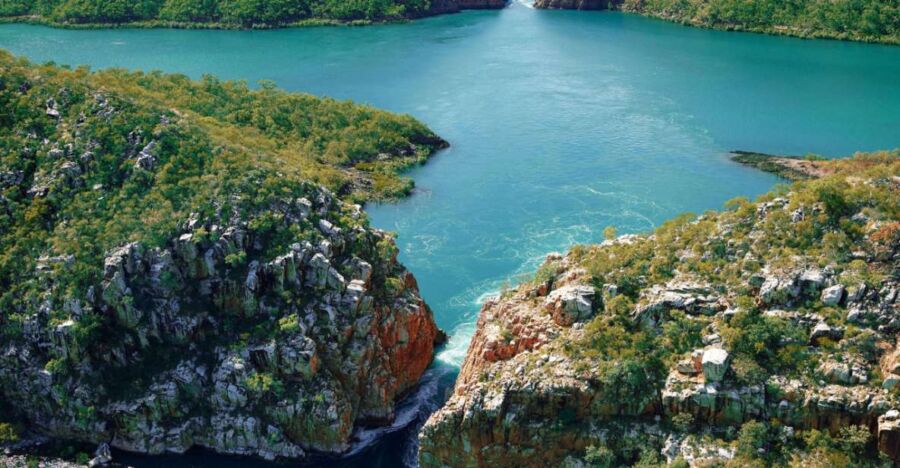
(588, 356)
(167, 284)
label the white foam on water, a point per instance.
(454, 353)
(488, 296)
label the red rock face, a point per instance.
(505, 329)
(405, 336)
(410, 344)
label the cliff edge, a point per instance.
(174, 273)
(766, 333)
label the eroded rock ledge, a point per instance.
(588, 355)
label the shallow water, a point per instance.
(562, 123)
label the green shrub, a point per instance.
(9, 433)
(289, 325)
(754, 440)
(261, 383)
(599, 456)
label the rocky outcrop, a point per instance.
(549, 375)
(519, 398)
(341, 353)
(168, 285)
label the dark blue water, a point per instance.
(562, 123)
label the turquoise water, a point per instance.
(562, 123)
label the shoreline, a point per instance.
(165, 24)
(768, 31)
(791, 168)
(536, 353)
(783, 31)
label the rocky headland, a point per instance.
(765, 334)
(788, 167)
(174, 272)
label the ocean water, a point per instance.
(561, 123)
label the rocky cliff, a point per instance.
(765, 333)
(172, 277)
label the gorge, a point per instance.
(560, 124)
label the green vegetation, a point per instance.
(771, 163)
(824, 223)
(211, 13)
(600, 457)
(695, 247)
(9, 433)
(91, 161)
(862, 20)
(766, 444)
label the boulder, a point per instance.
(570, 304)
(812, 280)
(146, 160)
(831, 296)
(838, 372)
(715, 364)
(11, 178)
(823, 330)
(778, 289)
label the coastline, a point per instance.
(792, 168)
(778, 163)
(770, 31)
(784, 31)
(566, 352)
(163, 24)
